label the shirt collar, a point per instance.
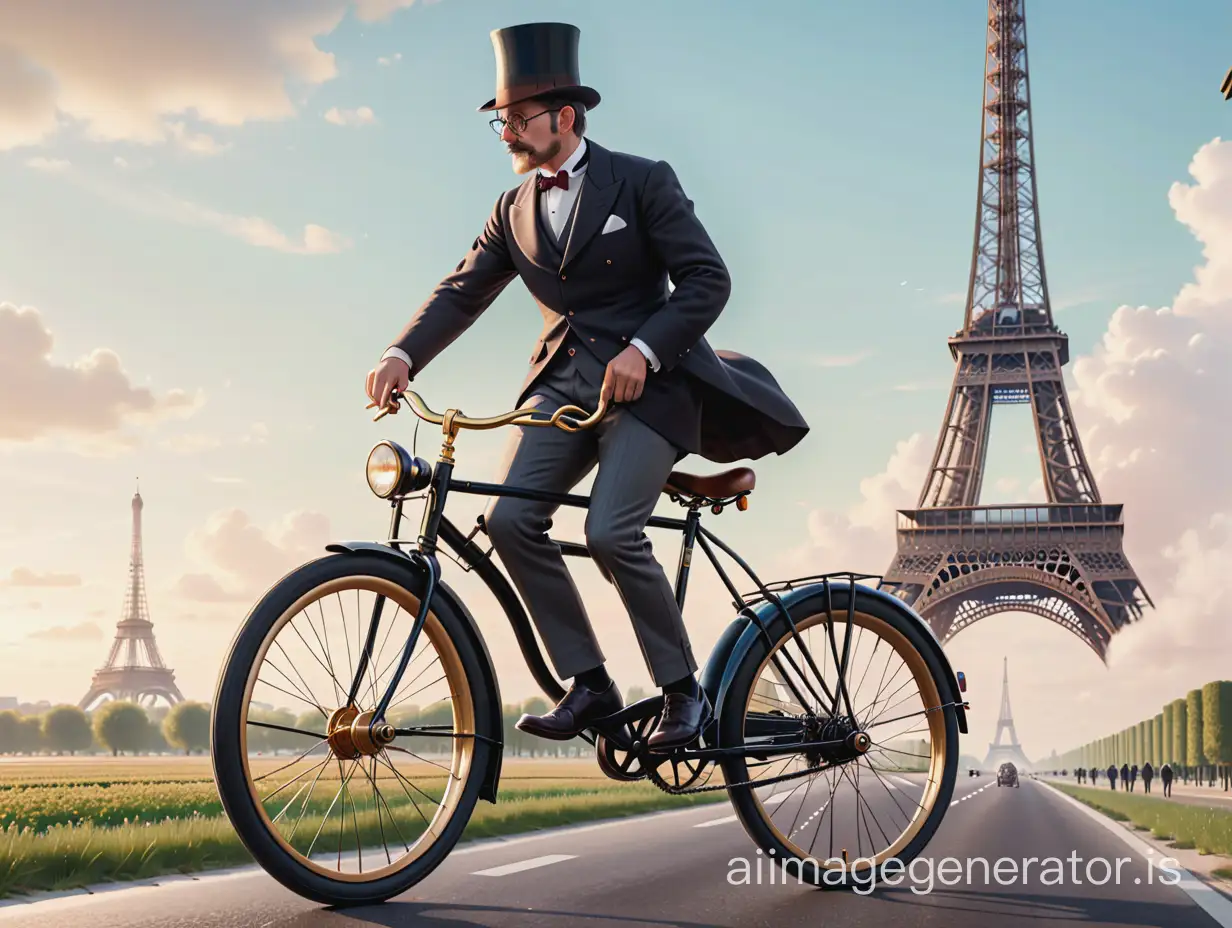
(571, 166)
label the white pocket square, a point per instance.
(613, 223)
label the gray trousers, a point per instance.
(633, 462)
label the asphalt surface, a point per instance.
(676, 869)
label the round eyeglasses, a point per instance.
(516, 122)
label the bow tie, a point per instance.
(547, 182)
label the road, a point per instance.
(672, 869)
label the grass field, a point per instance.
(67, 822)
(1207, 829)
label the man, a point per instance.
(1112, 776)
(1148, 772)
(1165, 775)
(596, 236)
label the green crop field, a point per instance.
(68, 822)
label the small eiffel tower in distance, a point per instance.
(998, 752)
(134, 670)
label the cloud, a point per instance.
(191, 443)
(363, 116)
(199, 143)
(48, 165)
(27, 98)
(862, 538)
(23, 576)
(262, 233)
(314, 240)
(86, 631)
(386, 62)
(370, 11)
(120, 69)
(240, 559)
(92, 397)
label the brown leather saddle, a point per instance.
(723, 485)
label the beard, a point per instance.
(527, 159)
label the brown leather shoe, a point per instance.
(573, 714)
(684, 716)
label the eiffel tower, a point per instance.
(999, 753)
(957, 561)
(134, 670)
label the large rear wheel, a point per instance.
(335, 809)
(863, 682)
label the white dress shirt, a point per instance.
(558, 203)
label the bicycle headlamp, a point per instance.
(392, 471)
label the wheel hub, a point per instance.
(351, 733)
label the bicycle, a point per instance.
(775, 706)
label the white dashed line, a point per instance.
(717, 821)
(531, 864)
(728, 819)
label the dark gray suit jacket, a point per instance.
(609, 288)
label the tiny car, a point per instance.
(1007, 775)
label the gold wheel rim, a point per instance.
(930, 696)
(462, 755)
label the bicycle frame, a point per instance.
(436, 528)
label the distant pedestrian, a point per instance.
(1165, 774)
(1112, 775)
(1125, 776)
(1147, 774)
(1133, 777)
(1094, 776)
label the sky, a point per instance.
(217, 215)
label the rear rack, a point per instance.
(780, 586)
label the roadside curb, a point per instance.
(1209, 892)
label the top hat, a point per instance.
(535, 59)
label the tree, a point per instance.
(122, 726)
(30, 734)
(10, 721)
(187, 727)
(1180, 731)
(1216, 721)
(67, 728)
(1195, 758)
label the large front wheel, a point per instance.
(336, 810)
(862, 685)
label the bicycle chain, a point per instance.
(653, 775)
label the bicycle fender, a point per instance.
(489, 723)
(744, 632)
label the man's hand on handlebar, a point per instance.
(625, 376)
(390, 375)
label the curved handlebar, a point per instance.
(570, 418)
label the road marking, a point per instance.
(717, 821)
(973, 793)
(728, 819)
(1214, 903)
(531, 864)
(902, 780)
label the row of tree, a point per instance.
(1192, 734)
(115, 727)
(126, 728)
